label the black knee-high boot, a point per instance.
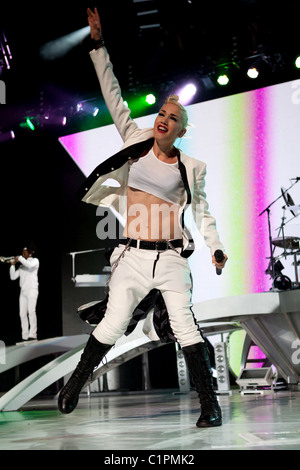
(93, 352)
(198, 364)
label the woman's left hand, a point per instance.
(220, 264)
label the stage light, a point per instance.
(187, 93)
(6, 136)
(5, 52)
(150, 99)
(222, 372)
(256, 377)
(297, 62)
(223, 80)
(182, 371)
(95, 112)
(252, 72)
(30, 124)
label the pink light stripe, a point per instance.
(258, 188)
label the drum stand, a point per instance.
(282, 242)
(288, 243)
(296, 262)
(270, 269)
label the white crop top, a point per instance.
(151, 175)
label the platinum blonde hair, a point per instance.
(174, 99)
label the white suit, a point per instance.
(28, 276)
(138, 270)
(135, 140)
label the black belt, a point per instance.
(161, 245)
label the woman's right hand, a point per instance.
(95, 25)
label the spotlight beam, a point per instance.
(60, 47)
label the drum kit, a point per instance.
(289, 244)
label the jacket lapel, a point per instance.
(119, 159)
(114, 162)
(182, 170)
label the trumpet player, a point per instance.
(27, 274)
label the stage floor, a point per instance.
(156, 421)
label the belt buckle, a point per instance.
(161, 246)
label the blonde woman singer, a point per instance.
(152, 175)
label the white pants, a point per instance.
(27, 304)
(138, 272)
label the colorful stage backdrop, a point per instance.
(251, 144)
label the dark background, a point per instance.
(193, 40)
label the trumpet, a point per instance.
(8, 259)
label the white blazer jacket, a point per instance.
(136, 140)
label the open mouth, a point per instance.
(162, 129)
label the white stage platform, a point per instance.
(271, 319)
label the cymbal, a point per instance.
(288, 200)
(290, 243)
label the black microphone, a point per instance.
(219, 255)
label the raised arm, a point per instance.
(109, 84)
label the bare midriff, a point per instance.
(151, 218)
